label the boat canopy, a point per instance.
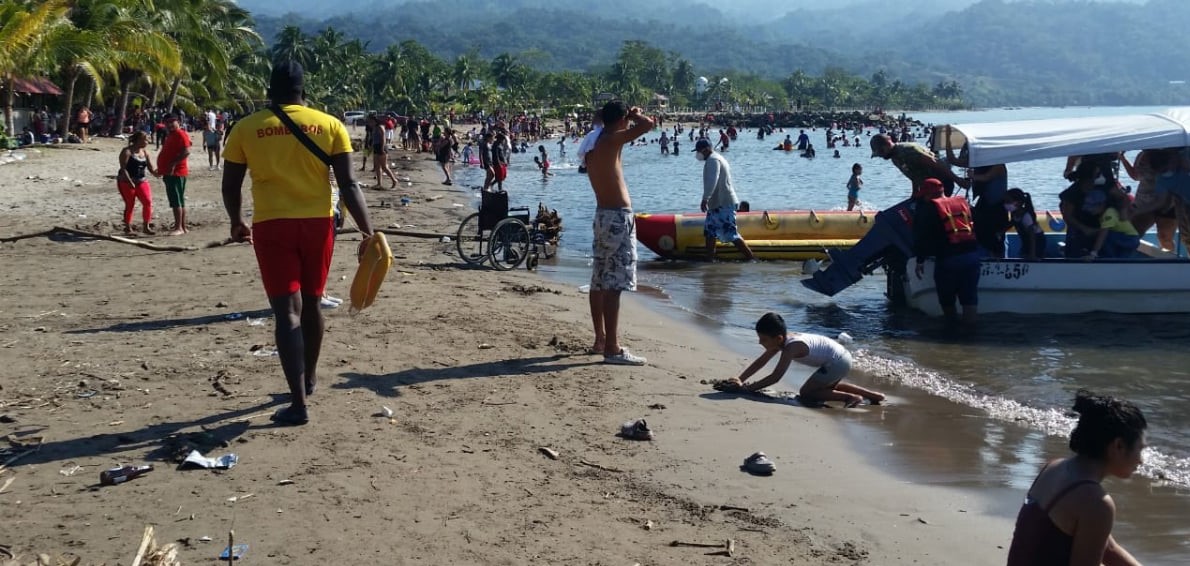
(992, 143)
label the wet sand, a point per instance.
(931, 443)
(113, 354)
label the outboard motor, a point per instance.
(887, 244)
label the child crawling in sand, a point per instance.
(831, 358)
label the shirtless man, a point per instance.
(613, 251)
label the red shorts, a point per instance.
(294, 254)
(501, 172)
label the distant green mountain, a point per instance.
(1043, 53)
(1051, 52)
(560, 39)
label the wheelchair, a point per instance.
(500, 236)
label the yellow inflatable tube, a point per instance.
(373, 268)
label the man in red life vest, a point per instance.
(942, 229)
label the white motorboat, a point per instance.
(1151, 282)
(1059, 286)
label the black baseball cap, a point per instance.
(287, 78)
(703, 144)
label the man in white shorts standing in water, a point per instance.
(613, 250)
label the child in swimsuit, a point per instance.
(825, 384)
(854, 184)
(1019, 206)
(543, 161)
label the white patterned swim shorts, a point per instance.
(720, 224)
(613, 251)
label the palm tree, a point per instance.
(341, 79)
(30, 38)
(464, 73)
(132, 61)
(247, 81)
(623, 79)
(292, 44)
(506, 71)
(799, 86)
(106, 30)
(385, 84)
(209, 35)
(683, 78)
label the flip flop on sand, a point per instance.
(853, 403)
(291, 416)
(758, 464)
(636, 430)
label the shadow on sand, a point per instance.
(167, 324)
(156, 438)
(386, 385)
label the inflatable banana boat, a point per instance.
(783, 234)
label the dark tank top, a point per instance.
(1037, 541)
(135, 166)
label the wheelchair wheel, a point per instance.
(470, 242)
(509, 245)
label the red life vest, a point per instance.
(956, 219)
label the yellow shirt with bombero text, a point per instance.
(288, 181)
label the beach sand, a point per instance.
(112, 354)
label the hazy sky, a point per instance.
(750, 11)
(760, 9)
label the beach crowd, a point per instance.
(290, 150)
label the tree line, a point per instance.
(171, 53)
(190, 54)
(342, 74)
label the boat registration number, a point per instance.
(1005, 270)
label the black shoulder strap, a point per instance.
(300, 135)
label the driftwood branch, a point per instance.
(393, 232)
(97, 236)
(697, 544)
(26, 236)
(600, 467)
(159, 248)
(409, 234)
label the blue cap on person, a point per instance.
(287, 79)
(703, 144)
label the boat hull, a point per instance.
(775, 235)
(1057, 286)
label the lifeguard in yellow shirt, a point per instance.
(292, 228)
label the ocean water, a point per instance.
(1012, 383)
